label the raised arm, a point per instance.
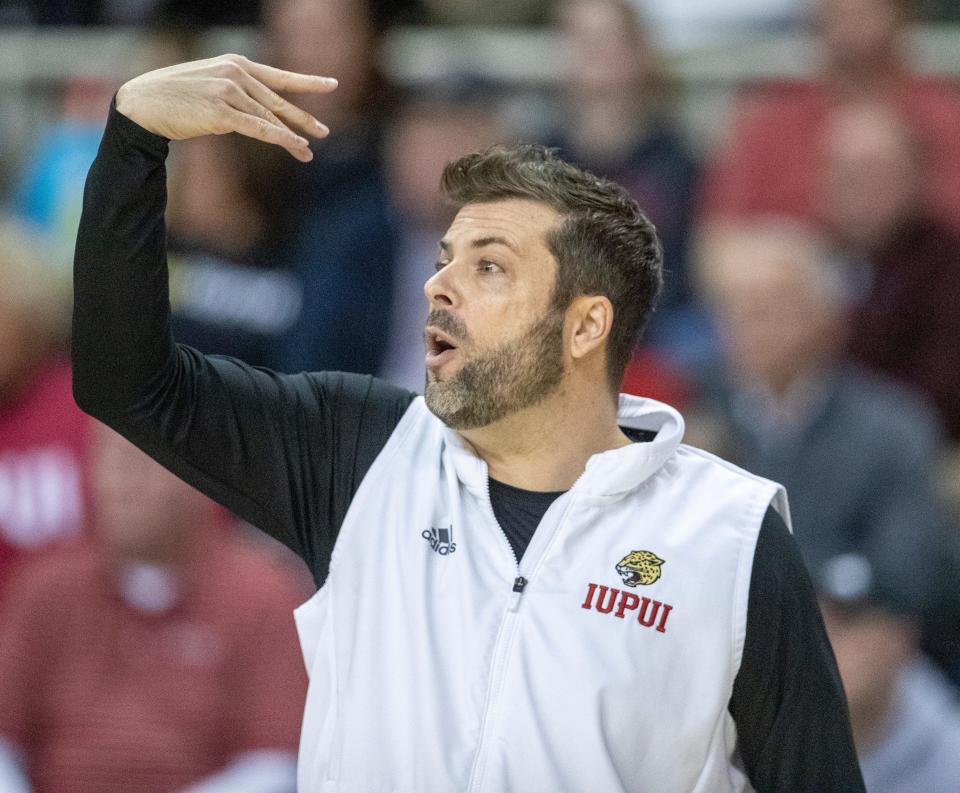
(285, 452)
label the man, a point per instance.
(330, 223)
(617, 121)
(451, 646)
(905, 715)
(857, 452)
(160, 657)
(906, 320)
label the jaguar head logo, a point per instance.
(639, 567)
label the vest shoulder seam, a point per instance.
(731, 467)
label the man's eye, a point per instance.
(490, 267)
(441, 264)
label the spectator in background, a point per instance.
(330, 218)
(905, 716)
(616, 122)
(228, 293)
(428, 132)
(906, 321)
(161, 657)
(49, 190)
(778, 130)
(857, 454)
(43, 434)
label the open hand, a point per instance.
(229, 93)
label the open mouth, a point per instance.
(440, 348)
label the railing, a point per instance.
(33, 62)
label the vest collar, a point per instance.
(606, 474)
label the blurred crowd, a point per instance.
(809, 329)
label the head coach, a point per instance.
(526, 582)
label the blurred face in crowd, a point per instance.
(871, 646)
(15, 348)
(143, 511)
(861, 34)
(328, 37)
(494, 343)
(777, 304)
(209, 204)
(872, 176)
(608, 49)
(423, 139)
(34, 314)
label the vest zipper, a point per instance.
(503, 642)
(493, 517)
(518, 584)
(501, 647)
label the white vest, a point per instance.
(430, 674)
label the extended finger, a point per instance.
(287, 111)
(237, 98)
(281, 80)
(255, 126)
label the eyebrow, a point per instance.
(483, 242)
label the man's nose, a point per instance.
(441, 288)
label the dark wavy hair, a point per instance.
(604, 244)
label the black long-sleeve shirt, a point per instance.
(287, 453)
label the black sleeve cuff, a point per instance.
(130, 133)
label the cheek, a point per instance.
(497, 332)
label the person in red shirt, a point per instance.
(160, 657)
(904, 263)
(773, 159)
(43, 434)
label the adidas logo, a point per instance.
(440, 540)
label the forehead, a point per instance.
(520, 224)
(742, 267)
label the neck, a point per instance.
(174, 546)
(870, 721)
(546, 447)
(805, 367)
(172, 558)
(864, 81)
(24, 365)
(782, 387)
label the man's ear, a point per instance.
(591, 317)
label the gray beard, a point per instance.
(517, 374)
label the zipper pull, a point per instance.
(518, 584)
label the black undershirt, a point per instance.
(519, 512)
(287, 453)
